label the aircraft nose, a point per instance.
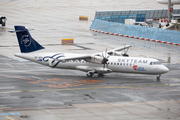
(165, 69)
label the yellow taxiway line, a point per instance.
(9, 118)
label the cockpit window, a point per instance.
(158, 63)
(155, 63)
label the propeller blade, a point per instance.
(125, 52)
(127, 49)
(102, 55)
(106, 64)
(105, 59)
(105, 52)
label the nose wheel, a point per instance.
(158, 78)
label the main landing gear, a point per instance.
(158, 78)
(91, 73)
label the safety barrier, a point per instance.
(139, 32)
(83, 18)
(67, 41)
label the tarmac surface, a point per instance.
(35, 92)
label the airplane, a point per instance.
(97, 63)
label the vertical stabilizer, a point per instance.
(26, 42)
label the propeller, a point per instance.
(125, 52)
(105, 59)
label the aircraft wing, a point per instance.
(92, 56)
(75, 58)
(119, 49)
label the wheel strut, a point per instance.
(158, 78)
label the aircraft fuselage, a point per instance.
(115, 63)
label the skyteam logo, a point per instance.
(53, 58)
(25, 40)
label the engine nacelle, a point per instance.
(98, 59)
(117, 54)
(114, 53)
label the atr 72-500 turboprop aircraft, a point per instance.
(100, 63)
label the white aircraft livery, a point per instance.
(98, 63)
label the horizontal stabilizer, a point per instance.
(17, 31)
(13, 31)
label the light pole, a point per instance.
(169, 10)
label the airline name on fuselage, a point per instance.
(132, 61)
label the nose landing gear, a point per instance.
(158, 78)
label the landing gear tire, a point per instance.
(90, 74)
(158, 78)
(100, 75)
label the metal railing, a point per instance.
(150, 14)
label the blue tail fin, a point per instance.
(26, 42)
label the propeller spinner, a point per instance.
(105, 60)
